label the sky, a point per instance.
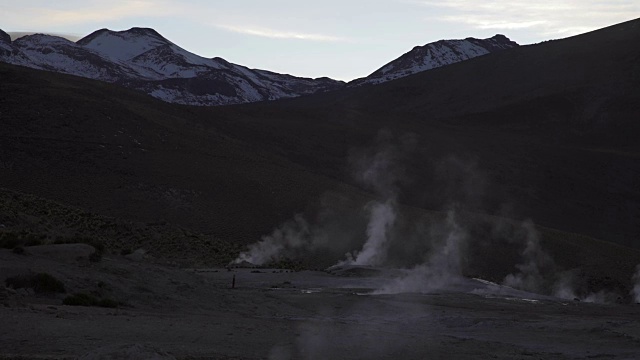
(341, 39)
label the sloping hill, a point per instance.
(550, 129)
(123, 154)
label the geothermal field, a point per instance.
(472, 199)
(346, 311)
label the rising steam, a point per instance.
(443, 267)
(290, 236)
(635, 292)
(379, 169)
(374, 251)
(535, 260)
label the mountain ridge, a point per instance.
(144, 60)
(434, 55)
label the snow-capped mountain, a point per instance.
(434, 55)
(4, 37)
(142, 59)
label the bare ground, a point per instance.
(169, 313)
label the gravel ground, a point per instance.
(168, 313)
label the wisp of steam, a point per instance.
(442, 269)
(381, 219)
(635, 292)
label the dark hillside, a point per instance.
(552, 128)
(118, 153)
(543, 132)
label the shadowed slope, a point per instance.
(551, 128)
(119, 153)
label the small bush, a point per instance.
(9, 240)
(18, 250)
(108, 303)
(46, 283)
(18, 282)
(40, 283)
(289, 264)
(95, 256)
(81, 299)
(33, 240)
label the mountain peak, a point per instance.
(133, 32)
(87, 39)
(142, 31)
(434, 55)
(4, 37)
(42, 39)
(123, 45)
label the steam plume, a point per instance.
(530, 278)
(288, 237)
(635, 292)
(443, 267)
(379, 169)
(374, 251)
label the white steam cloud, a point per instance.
(635, 292)
(374, 251)
(530, 277)
(377, 168)
(564, 287)
(442, 269)
(290, 236)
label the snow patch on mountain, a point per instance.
(142, 59)
(123, 45)
(435, 55)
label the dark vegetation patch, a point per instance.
(40, 283)
(30, 220)
(288, 264)
(83, 299)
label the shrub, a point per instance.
(286, 263)
(18, 250)
(41, 283)
(95, 256)
(44, 283)
(108, 303)
(18, 282)
(33, 240)
(81, 299)
(9, 240)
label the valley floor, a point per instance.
(168, 313)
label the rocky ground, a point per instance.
(142, 311)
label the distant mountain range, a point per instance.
(435, 55)
(142, 59)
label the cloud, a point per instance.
(89, 12)
(543, 18)
(277, 34)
